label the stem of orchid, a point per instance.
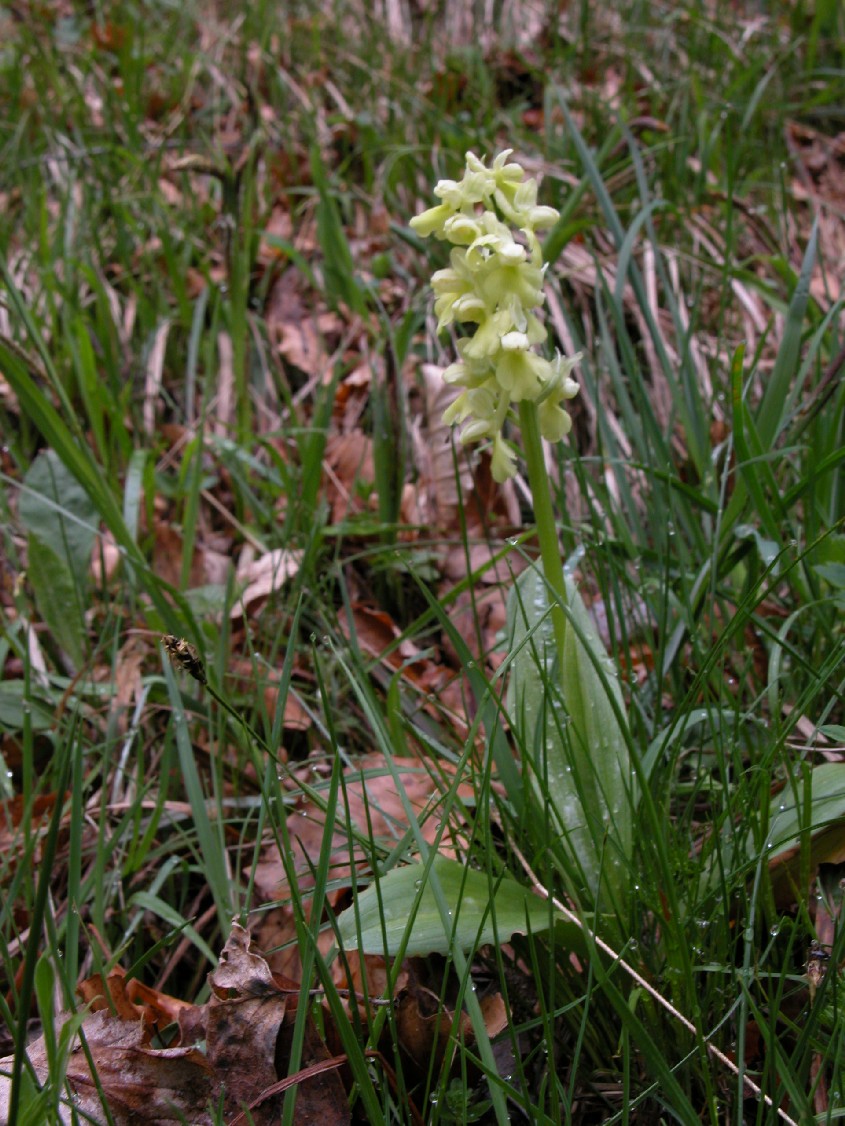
(541, 494)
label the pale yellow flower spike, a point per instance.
(495, 281)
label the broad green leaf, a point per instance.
(56, 509)
(793, 815)
(767, 549)
(61, 433)
(571, 728)
(14, 704)
(379, 920)
(62, 523)
(815, 820)
(833, 573)
(58, 598)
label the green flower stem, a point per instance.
(538, 480)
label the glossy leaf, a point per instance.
(401, 914)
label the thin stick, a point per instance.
(571, 917)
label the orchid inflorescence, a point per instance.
(495, 281)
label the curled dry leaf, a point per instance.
(262, 576)
(426, 1026)
(154, 376)
(105, 558)
(131, 1000)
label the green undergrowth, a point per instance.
(168, 174)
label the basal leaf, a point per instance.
(797, 819)
(381, 917)
(821, 814)
(570, 724)
(55, 509)
(15, 703)
(58, 599)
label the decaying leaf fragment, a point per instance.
(240, 1066)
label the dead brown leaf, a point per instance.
(321, 1097)
(820, 164)
(278, 229)
(109, 995)
(264, 575)
(378, 636)
(140, 1084)
(350, 473)
(208, 566)
(428, 1029)
(827, 846)
(425, 1027)
(820, 161)
(295, 717)
(131, 1000)
(242, 1064)
(291, 325)
(127, 680)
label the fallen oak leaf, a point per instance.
(242, 1022)
(245, 1118)
(327, 1065)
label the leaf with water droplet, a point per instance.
(571, 729)
(402, 912)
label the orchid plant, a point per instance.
(564, 701)
(564, 698)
